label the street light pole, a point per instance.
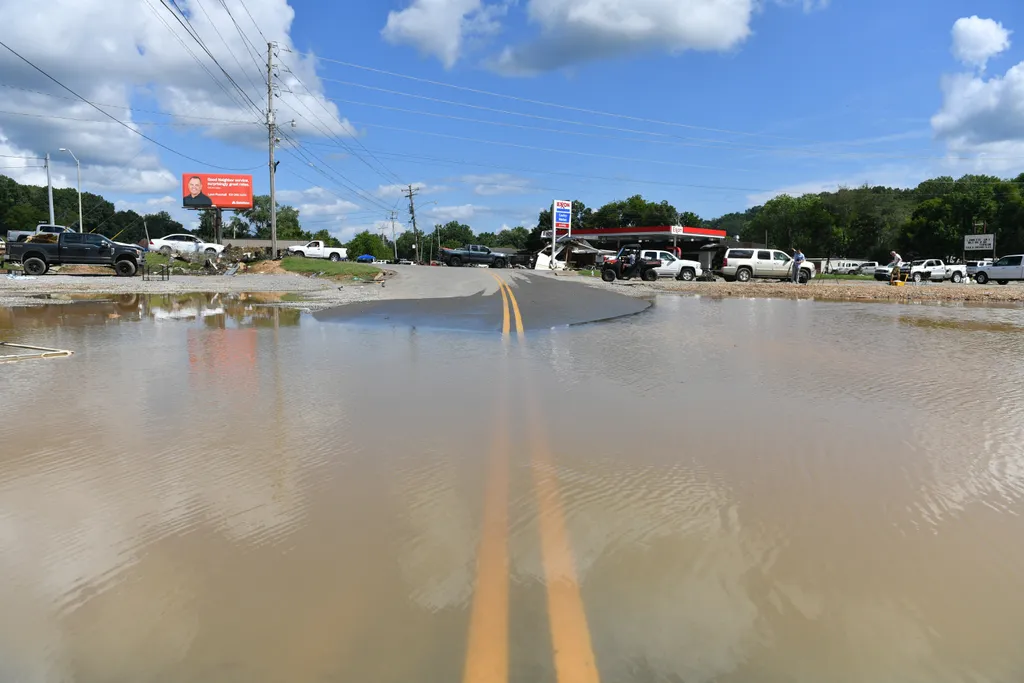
(81, 219)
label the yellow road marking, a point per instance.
(504, 307)
(506, 297)
(570, 635)
(487, 649)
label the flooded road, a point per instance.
(709, 490)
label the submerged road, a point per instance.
(485, 300)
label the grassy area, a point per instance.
(339, 269)
(830, 276)
(155, 259)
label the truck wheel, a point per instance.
(335, 257)
(454, 262)
(649, 275)
(300, 254)
(804, 277)
(211, 251)
(957, 278)
(916, 277)
(499, 263)
(743, 275)
(166, 251)
(686, 275)
(34, 266)
(608, 275)
(1004, 282)
(981, 278)
(125, 268)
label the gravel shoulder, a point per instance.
(819, 290)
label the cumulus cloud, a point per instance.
(581, 30)
(396, 191)
(497, 184)
(123, 54)
(976, 40)
(440, 28)
(317, 202)
(462, 212)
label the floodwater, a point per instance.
(712, 490)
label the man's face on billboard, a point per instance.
(195, 186)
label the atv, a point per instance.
(629, 264)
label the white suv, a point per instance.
(732, 263)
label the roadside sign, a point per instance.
(979, 242)
(216, 190)
(562, 215)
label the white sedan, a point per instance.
(184, 244)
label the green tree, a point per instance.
(23, 217)
(368, 243)
(160, 224)
(511, 237)
(453, 235)
(326, 237)
(487, 239)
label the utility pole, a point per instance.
(49, 189)
(394, 241)
(78, 165)
(410, 193)
(273, 141)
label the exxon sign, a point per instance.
(561, 216)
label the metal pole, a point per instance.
(394, 242)
(270, 134)
(78, 165)
(49, 189)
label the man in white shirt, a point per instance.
(896, 258)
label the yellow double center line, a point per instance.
(508, 297)
(487, 653)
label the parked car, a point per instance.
(933, 270)
(184, 244)
(884, 273)
(473, 254)
(22, 235)
(674, 267)
(973, 266)
(867, 268)
(845, 266)
(317, 249)
(733, 264)
(1002, 271)
(75, 248)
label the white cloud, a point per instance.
(118, 52)
(463, 212)
(579, 30)
(440, 28)
(317, 202)
(982, 116)
(497, 184)
(396, 191)
(977, 40)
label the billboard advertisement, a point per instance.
(216, 190)
(979, 242)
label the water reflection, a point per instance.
(217, 311)
(753, 490)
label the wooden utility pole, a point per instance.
(394, 241)
(411, 193)
(273, 142)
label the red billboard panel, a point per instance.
(216, 190)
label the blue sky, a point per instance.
(713, 105)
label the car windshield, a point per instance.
(918, 263)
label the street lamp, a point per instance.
(81, 221)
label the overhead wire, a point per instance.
(122, 123)
(231, 52)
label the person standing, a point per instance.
(798, 260)
(897, 260)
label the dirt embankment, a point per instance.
(826, 290)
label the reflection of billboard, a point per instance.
(210, 190)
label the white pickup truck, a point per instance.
(317, 249)
(933, 270)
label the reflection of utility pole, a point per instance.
(410, 193)
(394, 241)
(273, 141)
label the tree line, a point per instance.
(929, 220)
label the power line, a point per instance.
(556, 105)
(112, 118)
(226, 46)
(246, 43)
(223, 122)
(242, 3)
(19, 156)
(345, 183)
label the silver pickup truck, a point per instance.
(22, 235)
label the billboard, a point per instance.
(979, 242)
(216, 190)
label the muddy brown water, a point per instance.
(712, 490)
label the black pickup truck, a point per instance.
(75, 248)
(472, 254)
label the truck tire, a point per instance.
(957, 278)
(166, 251)
(608, 275)
(649, 275)
(454, 262)
(916, 277)
(981, 278)
(499, 263)
(125, 268)
(743, 275)
(34, 266)
(804, 277)
(686, 275)
(300, 254)
(335, 257)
